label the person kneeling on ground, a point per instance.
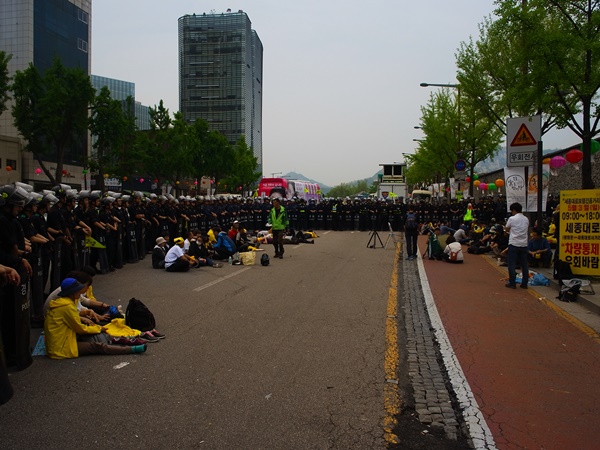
(224, 247)
(453, 251)
(67, 337)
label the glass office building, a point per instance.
(220, 75)
(37, 31)
(121, 90)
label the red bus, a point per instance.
(284, 188)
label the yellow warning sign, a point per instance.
(523, 137)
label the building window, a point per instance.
(12, 163)
(82, 45)
(82, 15)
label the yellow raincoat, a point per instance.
(61, 327)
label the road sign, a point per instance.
(460, 165)
(522, 137)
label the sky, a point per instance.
(341, 79)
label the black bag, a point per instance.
(411, 223)
(562, 270)
(264, 260)
(570, 290)
(138, 316)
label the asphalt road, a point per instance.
(289, 356)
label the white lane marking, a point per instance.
(212, 283)
(480, 434)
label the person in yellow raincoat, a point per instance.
(64, 332)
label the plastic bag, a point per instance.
(248, 258)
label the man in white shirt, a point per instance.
(518, 227)
(176, 260)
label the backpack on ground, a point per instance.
(264, 260)
(138, 316)
(570, 290)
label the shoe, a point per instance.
(139, 348)
(157, 335)
(217, 265)
(121, 341)
(281, 256)
(523, 286)
(137, 341)
(276, 255)
(510, 285)
(148, 336)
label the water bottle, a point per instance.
(230, 261)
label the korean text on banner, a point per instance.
(579, 241)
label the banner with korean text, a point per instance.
(579, 242)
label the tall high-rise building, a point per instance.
(220, 75)
(121, 90)
(37, 31)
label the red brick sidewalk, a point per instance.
(535, 375)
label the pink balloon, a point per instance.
(38, 171)
(141, 180)
(557, 161)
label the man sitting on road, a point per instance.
(176, 259)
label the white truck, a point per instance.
(387, 190)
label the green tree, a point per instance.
(156, 146)
(540, 56)
(4, 80)
(243, 174)
(51, 112)
(109, 125)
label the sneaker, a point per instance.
(148, 336)
(217, 265)
(139, 348)
(157, 335)
(137, 341)
(121, 341)
(281, 256)
(510, 285)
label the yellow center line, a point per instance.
(391, 393)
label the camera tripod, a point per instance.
(373, 239)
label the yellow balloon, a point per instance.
(476, 183)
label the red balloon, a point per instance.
(468, 179)
(64, 171)
(574, 156)
(8, 168)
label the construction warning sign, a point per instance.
(522, 136)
